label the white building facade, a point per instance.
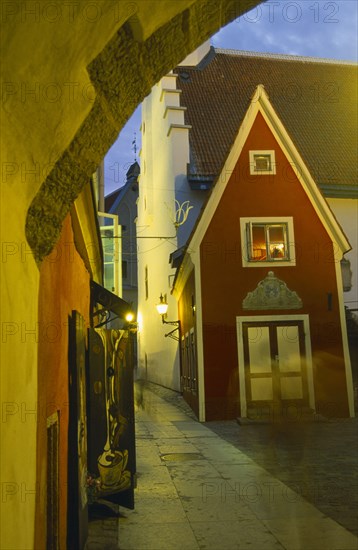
(162, 206)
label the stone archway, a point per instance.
(122, 75)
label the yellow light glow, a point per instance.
(162, 307)
(129, 317)
(139, 321)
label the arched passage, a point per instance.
(121, 75)
(72, 75)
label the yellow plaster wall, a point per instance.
(19, 292)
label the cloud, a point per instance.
(321, 29)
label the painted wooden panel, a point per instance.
(111, 437)
(259, 349)
(289, 348)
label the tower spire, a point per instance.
(134, 146)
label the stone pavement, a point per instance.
(221, 485)
(318, 460)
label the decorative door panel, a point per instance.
(274, 357)
(111, 436)
(260, 351)
(289, 362)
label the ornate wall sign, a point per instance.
(272, 293)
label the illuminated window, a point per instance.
(262, 162)
(267, 240)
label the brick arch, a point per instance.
(122, 75)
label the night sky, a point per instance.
(307, 28)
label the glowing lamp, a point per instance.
(162, 307)
(129, 317)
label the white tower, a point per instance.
(163, 187)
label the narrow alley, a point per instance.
(198, 487)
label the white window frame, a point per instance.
(245, 245)
(116, 256)
(271, 154)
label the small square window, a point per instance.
(262, 162)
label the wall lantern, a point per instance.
(162, 308)
(129, 317)
(107, 307)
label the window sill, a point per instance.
(276, 263)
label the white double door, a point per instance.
(273, 363)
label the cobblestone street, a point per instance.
(313, 465)
(318, 460)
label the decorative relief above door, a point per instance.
(272, 293)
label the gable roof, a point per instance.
(113, 200)
(259, 103)
(316, 99)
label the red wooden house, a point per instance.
(259, 289)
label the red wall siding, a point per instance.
(225, 282)
(64, 286)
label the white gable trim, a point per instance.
(346, 354)
(315, 196)
(261, 103)
(223, 179)
(199, 339)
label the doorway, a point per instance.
(189, 370)
(275, 365)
